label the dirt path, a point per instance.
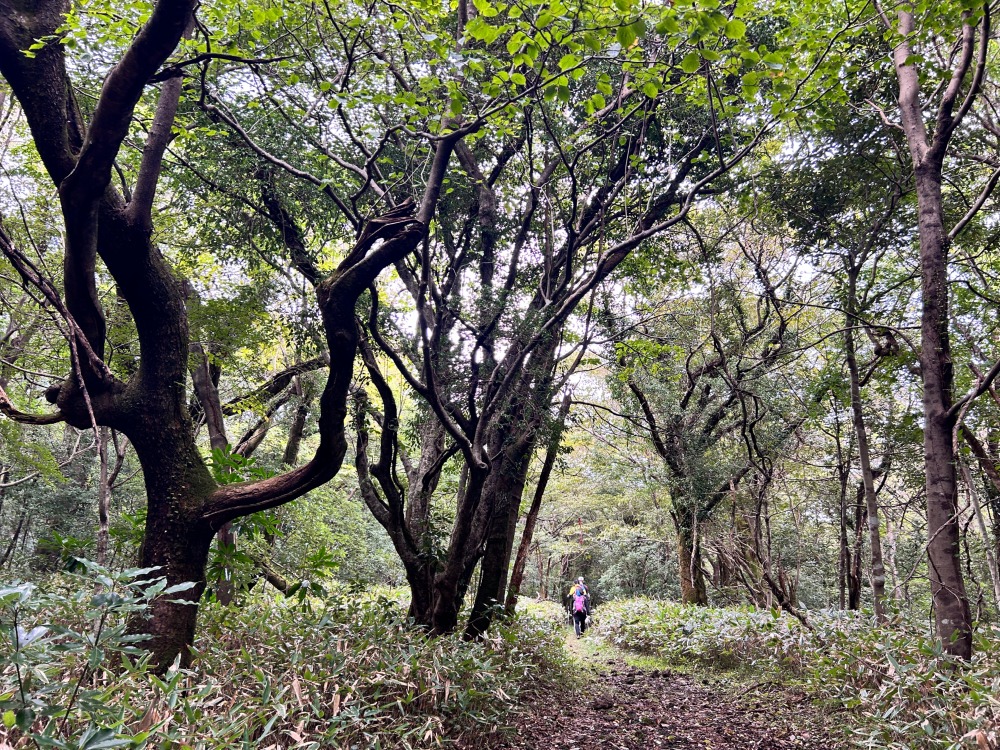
(626, 708)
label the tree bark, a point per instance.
(991, 560)
(693, 590)
(845, 549)
(295, 433)
(864, 456)
(521, 560)
(207, 392)
(952, 613)
(13, 540)
(854, 559)
(504, 487)
(103, 497)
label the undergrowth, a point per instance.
(271, 673)
(903, 692)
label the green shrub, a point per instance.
(903, 692)
(728, 638)
(341, 672)
(544, 609)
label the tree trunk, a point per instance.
(295, 433)
(178, 548)
(177, 539)
(551, 452)
(693, 589)
(13, 541)
(467, 539)
(867, 475)
(206, 388)
(845, 549)
(991, 560)
(952, 613)
(103, 496)
(890, 558)
(854, 568)
(505, 487)
(985, 455)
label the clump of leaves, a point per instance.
(911, 693)
(63, 648)
(334, 672)
(545, 609)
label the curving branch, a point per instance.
(30, 274)
(984, 385)
(337, 296)
(10, 411)
(274, 386)
(141, 205)
(121, 92)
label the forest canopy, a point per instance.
(696, 300)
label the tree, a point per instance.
(102, 223)
(613, 155)
(962, 78)
(699, 373)
(843, 192)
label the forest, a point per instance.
(339, 339)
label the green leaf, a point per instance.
(485, 8)
(16, 594)
(24, 718)
(568, 61)
(691, 62)
(625, 36)
(736, 29)
(479, 29)
(101, 739)
(668, 25)
(9, 718)
(774, 61)
(650, 89)
(518, 78)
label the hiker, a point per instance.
(579, 605)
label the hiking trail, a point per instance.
(626, 705)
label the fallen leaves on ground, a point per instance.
(631, 709)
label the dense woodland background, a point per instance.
(356, 323)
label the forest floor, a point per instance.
(633, 703)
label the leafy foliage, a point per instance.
(318, 673)
(897, 680)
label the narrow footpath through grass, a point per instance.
(621, 701)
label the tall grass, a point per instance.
(273, 673)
